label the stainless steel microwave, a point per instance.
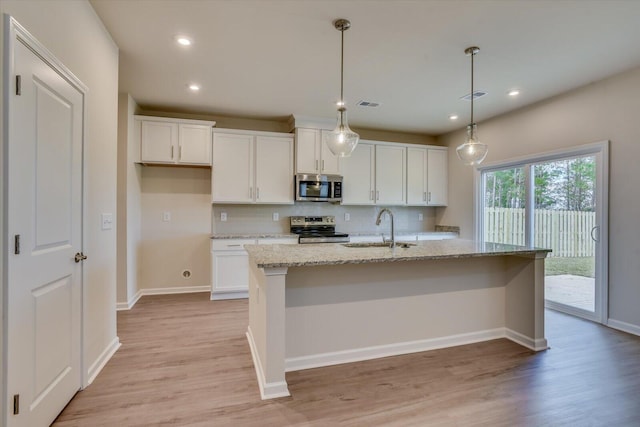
(318, 188)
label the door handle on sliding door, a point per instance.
(595, 239)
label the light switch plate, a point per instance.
(347, 217)
(166, 216)
(420, 217)
(106, 219)
(223, 216)
(276, 216)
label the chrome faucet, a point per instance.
(393, 237)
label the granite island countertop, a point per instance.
(273, 256)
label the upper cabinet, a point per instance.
(391, 175)
(427, 176)
(312, 153)
(175, 141)
(252, 167)
(437, 179)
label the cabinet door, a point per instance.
(328, 161)
(274, 169)
(390, 175)
(195, 144)
(358, 178)
(230, 274)
(416, 176)
(159, 142)
(437, 179)
(232, 169)
(307, 151)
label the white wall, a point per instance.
(606, 110)
(129, 194)
(71, 30)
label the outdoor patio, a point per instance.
(572, 290)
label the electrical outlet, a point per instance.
(223, 216)
(276, 216)
(420, 217)
(347, 216)
(166, 216)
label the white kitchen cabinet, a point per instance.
(437, 179)
(374, 174)
(390, 175)
(174, 141)
(426, 176)
(252, 167)
(358, 171)
(312, 153)
(416, 176)
(230, 265)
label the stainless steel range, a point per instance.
(317, 229)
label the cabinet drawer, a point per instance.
(230, 244)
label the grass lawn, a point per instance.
(576, 266)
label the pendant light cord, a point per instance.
(472, 95)
(342, 68)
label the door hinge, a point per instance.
(16, 404)
(16, 243)
(18, 85)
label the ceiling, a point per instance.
(269, 59)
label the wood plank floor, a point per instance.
(185, 361)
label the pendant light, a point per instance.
(342, 140)
(472, 152)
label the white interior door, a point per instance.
(45, 215)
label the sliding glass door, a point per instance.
(557, 201)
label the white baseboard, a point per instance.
(217, 295)
(161, 291)
(375, 352)
(267, 390)
(101, 361)
(624, 326)
(525, 341)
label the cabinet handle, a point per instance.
(316, 165)
(323, 165)
(378, 195)
(233, 246)
(257, 193)
(424, 196)
(371, 197)
(180, 153)
(172, 152)
(251, 192)
(429, 196)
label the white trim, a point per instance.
(532, 344)
(572, 311)
(101, 361)
(376, 352)
(267, 390)
(161, 291)
(624, 326)
(222, 295)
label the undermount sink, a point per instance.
(377, 245)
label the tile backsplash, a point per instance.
(259, 218)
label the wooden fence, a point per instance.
(568, 233)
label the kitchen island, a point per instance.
(326, 304)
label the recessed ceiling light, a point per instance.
(184, 41)
(193, 87)
(514, 92)
(453, 117)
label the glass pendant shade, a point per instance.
(472, 152)
(342, 140)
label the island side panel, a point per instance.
(266, 329)
(525, 301)
(342, 313)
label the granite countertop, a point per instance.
(253, 235)
(270, 256)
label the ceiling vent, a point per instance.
(476, 94)
(368, 104)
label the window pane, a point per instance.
(504, 205)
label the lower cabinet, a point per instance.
(230, 265)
